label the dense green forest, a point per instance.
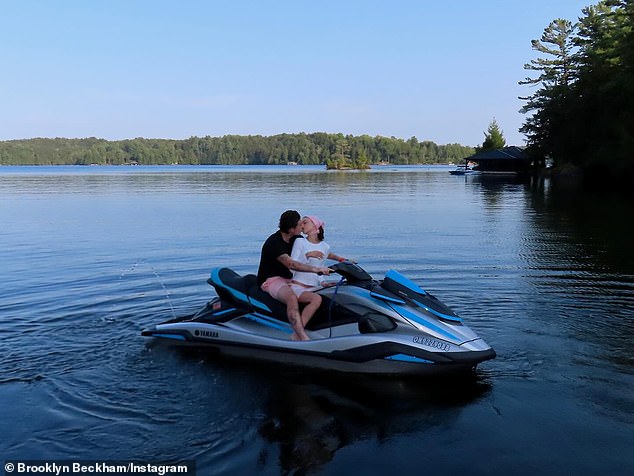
(336, 150)
(582, 112)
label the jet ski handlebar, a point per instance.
(351, 271)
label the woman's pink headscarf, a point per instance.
(316, 221)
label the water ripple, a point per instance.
(92, 258)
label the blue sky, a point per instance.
(436, 70)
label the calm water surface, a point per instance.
(91, 255)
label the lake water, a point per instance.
(91, 255)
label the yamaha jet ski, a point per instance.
(364, 325)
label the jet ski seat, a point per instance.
(245, 290)
(229, 284)
(256, 295)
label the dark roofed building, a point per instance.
(510, 159)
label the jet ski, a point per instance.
(364, 325)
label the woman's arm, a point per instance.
(295, 265)
(336, 257)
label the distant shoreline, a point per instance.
(334, 150)
(321, 166)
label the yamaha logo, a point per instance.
(201, 333)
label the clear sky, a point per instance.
(438, 70)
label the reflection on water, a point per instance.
(305, 417)
(581, 243)
(312, 418)
(90, 256)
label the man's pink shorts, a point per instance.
(274, 285)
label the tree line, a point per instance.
(582, 112)
(334, 150)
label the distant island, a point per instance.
(335, 151)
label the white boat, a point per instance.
(463, 170)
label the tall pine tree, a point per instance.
(546, 128)
(583, 111)
(493, 138)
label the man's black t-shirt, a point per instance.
(273, 247)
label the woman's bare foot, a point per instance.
(294, 336)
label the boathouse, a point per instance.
(512, 159)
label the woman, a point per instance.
(314, 251)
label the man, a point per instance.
(276, 264)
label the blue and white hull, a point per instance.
(363, 326)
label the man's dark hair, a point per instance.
(288, 220)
